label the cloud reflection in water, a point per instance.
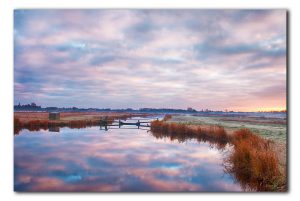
(116, 160)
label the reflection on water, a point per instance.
(90, 159)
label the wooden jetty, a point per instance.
(119, 123)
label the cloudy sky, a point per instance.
(216, 59)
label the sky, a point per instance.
(204, 59)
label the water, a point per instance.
(125, 159)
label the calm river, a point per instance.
(91, 159)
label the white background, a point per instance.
(6, 95)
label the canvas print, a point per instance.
(144, 100)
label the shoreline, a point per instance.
(278, 145)
(34, 121)
(253, 161)
(270, 150)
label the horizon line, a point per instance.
(262, 109)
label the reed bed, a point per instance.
(43, 124)
(251, 161)
(254, 163)
(175, 130)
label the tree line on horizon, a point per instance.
(34, 107)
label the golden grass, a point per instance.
(35, 121)
(252, 161)
(213, 133)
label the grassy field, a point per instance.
(274, 129)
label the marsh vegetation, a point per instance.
(252, 160)
(249, 157)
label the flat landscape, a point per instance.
(65, 117)
(150, 100)
(270, 128)
(274, 129)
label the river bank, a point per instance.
(274, 129)
(255, 150)
(40, 120)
